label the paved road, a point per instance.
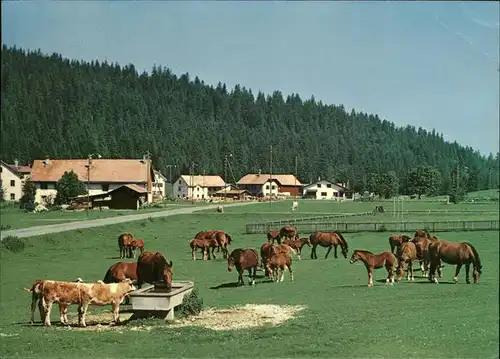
(62, 227)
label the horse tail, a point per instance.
(342, 240)
(477, 260)
(229, 239)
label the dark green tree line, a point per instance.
(63, 108)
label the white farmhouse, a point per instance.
(12, 178)
(197, 187)
(324, 189)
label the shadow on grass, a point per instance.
(117, 258)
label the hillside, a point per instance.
(60, 108)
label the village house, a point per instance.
(270, 185)
(12, 179)
(324, 189)
(104, 175)
(197, 187)
(159, 189)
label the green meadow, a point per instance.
(343, 318)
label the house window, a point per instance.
(267, 186)
(329, 185)
(323, 194)
(319, 185)
(273, 187)
(12, 183)
(12, 196)
(180, 182)
(43, 186)
(1, 169)
(105, 187)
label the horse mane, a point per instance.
(342, 239)
(363, 251)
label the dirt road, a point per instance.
(62, 227)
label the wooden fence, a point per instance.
(387, 226)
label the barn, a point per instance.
(129, 196)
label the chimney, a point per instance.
(46, 162)
(260, 172)
(16, 163)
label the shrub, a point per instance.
(13, 244)
(192, 304)
(382, 228)
(4, 227)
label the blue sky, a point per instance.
(429, 64)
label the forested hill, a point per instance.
(61, 108)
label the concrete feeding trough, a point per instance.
(155, 300)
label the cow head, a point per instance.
(130, 283)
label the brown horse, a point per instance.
(273, 236)
(406, 253)
(118, 272)
(154, 268)
(137, 243)
(328, 240)
(205, 244)
(279, 260)
(422, 233)
(376, 261)
(422, 247)
(124, 243)
(223, 240)
(289, 232)
(265, 253)
(397, 240)
(454, 253)
(297, 244)
(244, 259)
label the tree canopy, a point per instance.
(63, 108)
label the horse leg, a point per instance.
(299, 250)
(47, 307)
(313, 252)
(410, 270)
(193, 253)
(254, 274)
(282, 267)
(240, 277)
(328, 252)
(290, 270)
(370, 277)
(432, 270)
(335, 251)
(467, 268)
(457, 271)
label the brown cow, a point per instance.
(137, 243)
(154, 268)
(83, 294)
(124, 243)
(36, 296)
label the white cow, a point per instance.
(295, 205)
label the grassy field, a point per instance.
(343, 317)
(12, 217)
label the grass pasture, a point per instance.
(343, 318)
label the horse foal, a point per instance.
(375, 261)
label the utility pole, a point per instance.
(169, 167)
(226, 164)
(270, 175)
(191, 180)
(296, 158)
(89, 163)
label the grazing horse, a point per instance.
(265, 253)
(273, 236)
(375, 261)
(154, 268)
(205, 244)
(454, 253)
(422, 247)
(406, 253)
(328, 240)
(279, 260)
(223, 240)
(422, 233)
(295, 205)
(297, 244)
(396, 240)
(124, 243)
(137, 243)
(244, 259)
(289, 232)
